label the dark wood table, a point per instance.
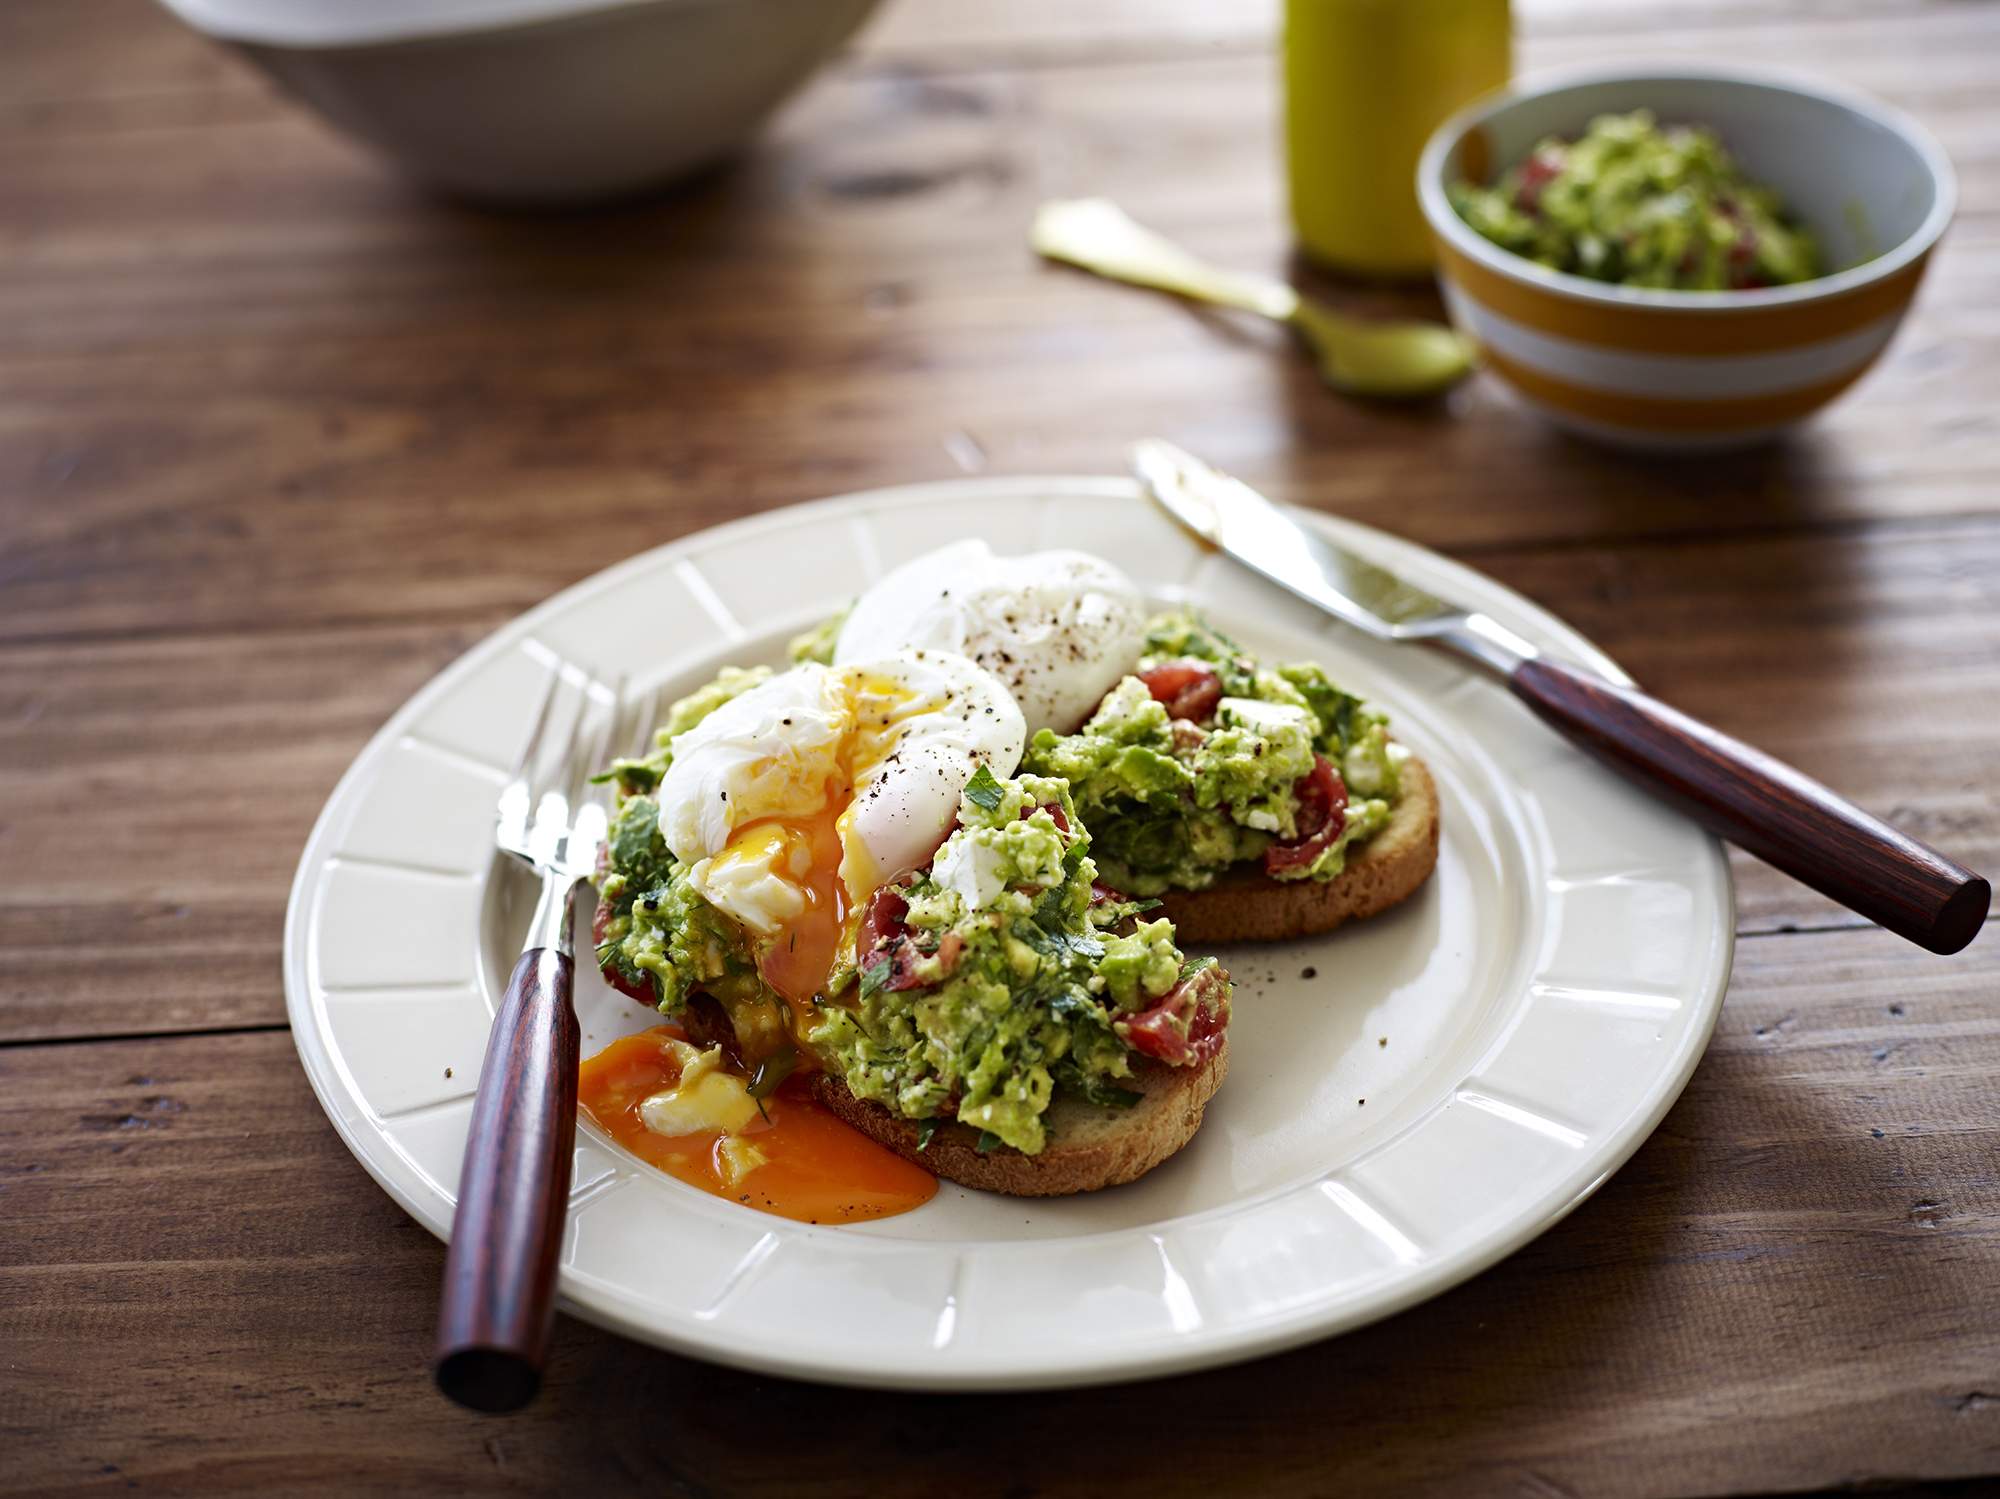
(283, 436)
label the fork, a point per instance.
(497, 1312)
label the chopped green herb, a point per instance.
(771, 1071)
(1343, 720)
(635, 836)
(925, 1129)
(1093, 1090)
(983, 791)
(988, 1141)
(874, 976)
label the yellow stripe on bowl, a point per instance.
(1682, 329)
(1690, 377)
(1652, 414)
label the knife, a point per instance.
(1762, 805)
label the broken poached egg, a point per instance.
(794, 802)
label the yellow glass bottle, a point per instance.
(1366, 82)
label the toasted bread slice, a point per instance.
(1088, 1147)
(1247, 905)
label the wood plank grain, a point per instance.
(145, 967)
(1788, 1287)
(158, 793)
(252, 377)
(56, 54)
(1862, 660)
(1761, 805)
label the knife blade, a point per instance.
(1757, 802)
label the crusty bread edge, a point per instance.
(1247, 905)
(1088, 1147)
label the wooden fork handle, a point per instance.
(498, 1308)
(1763, 805)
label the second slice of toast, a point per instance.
(1247, 905)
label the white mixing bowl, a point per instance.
(538, 102)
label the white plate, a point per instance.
(1516, 1029)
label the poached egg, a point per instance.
(794, 802)
(1057, 628)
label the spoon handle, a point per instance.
(1098, 235)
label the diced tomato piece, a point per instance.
(903, 960)
(1054, 809)
(1154, 1033)
(882, 920)
(1211, 1012)
(1186, 1026)
(882, 934)
(1322, 818)
(1101, 893)
(1537, 172)
(1189, 689)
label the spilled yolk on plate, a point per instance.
(791, 1157)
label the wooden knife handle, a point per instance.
(498, 1308)
(1763, 805)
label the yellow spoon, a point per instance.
(1362, 358)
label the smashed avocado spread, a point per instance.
(1641, 205)
(972, 990)
(1205, 759)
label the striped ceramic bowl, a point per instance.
(1666, 370)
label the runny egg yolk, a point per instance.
(798, 960)
(804, 872)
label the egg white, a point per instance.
(906, 731)
(1058, 628)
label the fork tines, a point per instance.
(548, 806)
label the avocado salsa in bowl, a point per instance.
(1686, 257)
(1638, 204)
